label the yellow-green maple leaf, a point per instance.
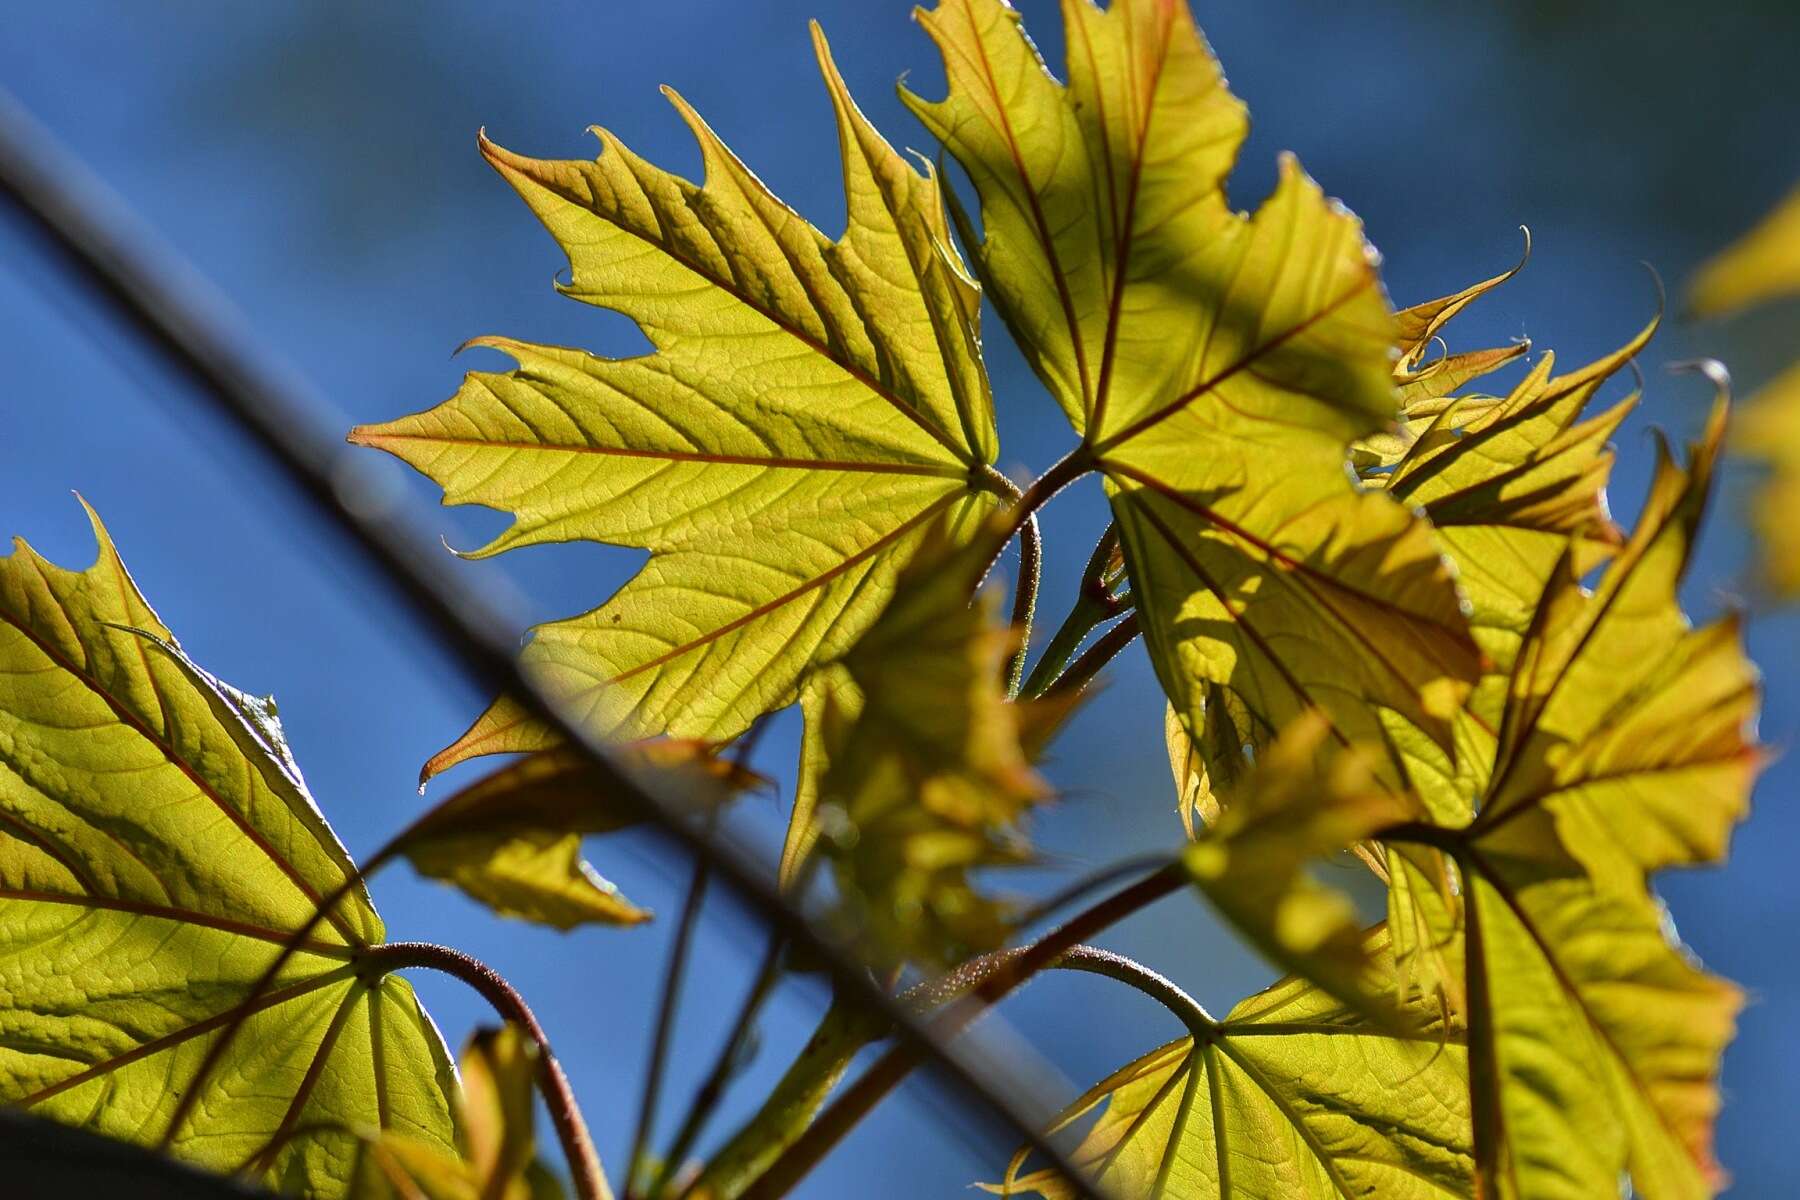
(1761, 266)
(1217, 365)
(158, 848)
(1623, 747)
(926, 776)
(512, 840)
(1291, 1095)
(810, 408)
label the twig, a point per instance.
(844, 1113)
(553, 1085)
(712, 1090)
(1081, 672)
(1025, 595)
(665, 1023)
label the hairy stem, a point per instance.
(859, 1098)
(1082, 671)
(1095, 604)
(552, 1083)
(1025, 595)
(1043, 489)
(1141, 864)
(1095, 961)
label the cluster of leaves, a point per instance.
(1390, 611)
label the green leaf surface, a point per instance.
(1217, 366)
(157, 848)
(1291, 1095)
(929, 781)
(1624, 746)
(809, 409)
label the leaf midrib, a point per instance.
(877, 467)
(1473, 856)
(775, 319)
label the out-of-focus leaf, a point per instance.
(810, 408)
(157, 849)
(512, 840)
(1216, 365)
(1769, 427)
(929, 779)
(498, 1158)
(1291, 1095)
(48, 1159)
(1763, 265)
(1304, 800)
(830, 689)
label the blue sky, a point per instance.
(318, 162)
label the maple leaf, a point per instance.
(1292, 1094)
(1216, 365)
(1623, 747)
(158, 848)
(512, 840)
(810, 408)
(927, 778)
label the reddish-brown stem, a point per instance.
(552, 1083)
(1043, 489)
(843, 1114)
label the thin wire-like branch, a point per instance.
(553, 1084)
(1106, 876)
(712, 1090)
(162, 301)
(855, 1102)
(666, 1009)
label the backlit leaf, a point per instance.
(1770, 427)
(1623, 747)
(1304, 800)
(1217, 366)
(929, 779)
(1291, 1095)
(810, 408)
(157, 848)
(1763, 264)
(513, 839)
